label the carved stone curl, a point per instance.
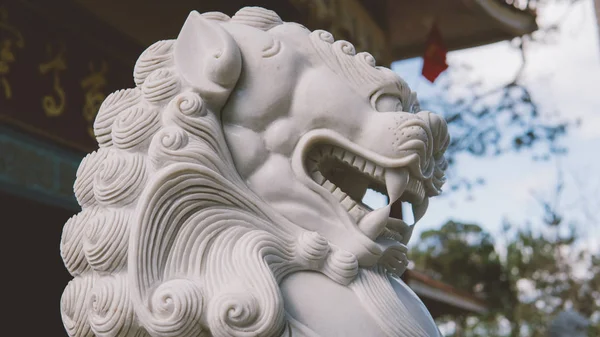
(225, 196)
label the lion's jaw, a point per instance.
(310, 143)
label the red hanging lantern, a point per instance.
(434, 60)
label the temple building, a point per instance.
(59, 59)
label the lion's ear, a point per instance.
(208, 58)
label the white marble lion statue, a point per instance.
(225, 196)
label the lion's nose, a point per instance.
(441, 139)
(407, 129)
(439, 132)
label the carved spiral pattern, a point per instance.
(166, 143)
(272, 49)
(160, 85)
(110, 108)
(119, 178)
(360, 70)
(367, 58)
(257, 17)
(184, 111)
(111, 312)
(107, 237)
(233, 313)
(341, 266)
(74, 306)
(177, 306)
(172, 138)
(157, 56)
(190, 104)
(345, 46)
(134, 126)
(216, 16)
(313, 248)
(324, 36)
(71, 245)
(84, 181)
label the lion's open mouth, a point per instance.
(348, 176)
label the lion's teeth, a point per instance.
(347, 202)
(379, 171)
(420, 209)
(369, 168)
(326, 150)
(312, 166)
(396, 181)
(317, 177)
(374, 222)
(357, 212)
(339, 194)
(338, 152)
(348, 158)
(359, 163)
(329, 186)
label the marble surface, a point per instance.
(225, 196)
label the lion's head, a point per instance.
(241, 157)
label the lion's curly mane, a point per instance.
(170, 241)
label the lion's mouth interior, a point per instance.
(348, 176)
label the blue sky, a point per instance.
(563, 76)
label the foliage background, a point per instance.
(519, 221)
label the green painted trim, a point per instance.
(36, 170)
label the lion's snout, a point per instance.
(424, 132)
(439, 132)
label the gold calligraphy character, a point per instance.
(7, 55)
(54, 106)
(93, 85)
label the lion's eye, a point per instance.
(388, 103)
